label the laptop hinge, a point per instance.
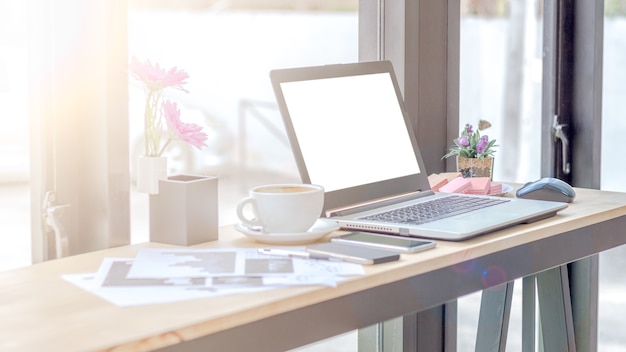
(378, 203)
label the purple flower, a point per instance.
(470, 144)
(463, 141)
(469, 129)
(482, 144)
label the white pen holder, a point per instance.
(185, 211)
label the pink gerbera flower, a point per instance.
(188, 132)
(162, 119)
(157, 78)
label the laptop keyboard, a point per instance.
(435, 209)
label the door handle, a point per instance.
(559, 134)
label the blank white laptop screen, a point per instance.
(327, 109)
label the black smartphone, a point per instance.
(389, 242)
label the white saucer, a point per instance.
(321, 228)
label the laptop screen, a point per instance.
(350, 123)
(348, 131)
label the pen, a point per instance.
(307, 255)
(293, 254)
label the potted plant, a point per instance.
(474, 152)
(162, 122)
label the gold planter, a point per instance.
(474, 167)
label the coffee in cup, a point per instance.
(282, 208)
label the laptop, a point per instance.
(350, 133)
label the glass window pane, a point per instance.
(613, 126)
(612, 303)
(228, 50)
(500, 82)
(14, 137)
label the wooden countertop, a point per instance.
(39, 311)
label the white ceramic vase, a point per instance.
(150, 169)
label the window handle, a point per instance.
(559, 133)
(53, 221)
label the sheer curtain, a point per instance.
(79, 125)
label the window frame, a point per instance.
(409, 34)
(572, 90)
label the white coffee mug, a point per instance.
(283, 208)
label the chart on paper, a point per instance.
(186, 262)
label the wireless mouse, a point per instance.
(547, 188)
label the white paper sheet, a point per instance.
(166, 275)
(109, 284)
(187, 262)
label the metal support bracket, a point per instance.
(555, 310)
(493, 322)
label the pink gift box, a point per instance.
(496, 188)
(458, 185)
(480, 185)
